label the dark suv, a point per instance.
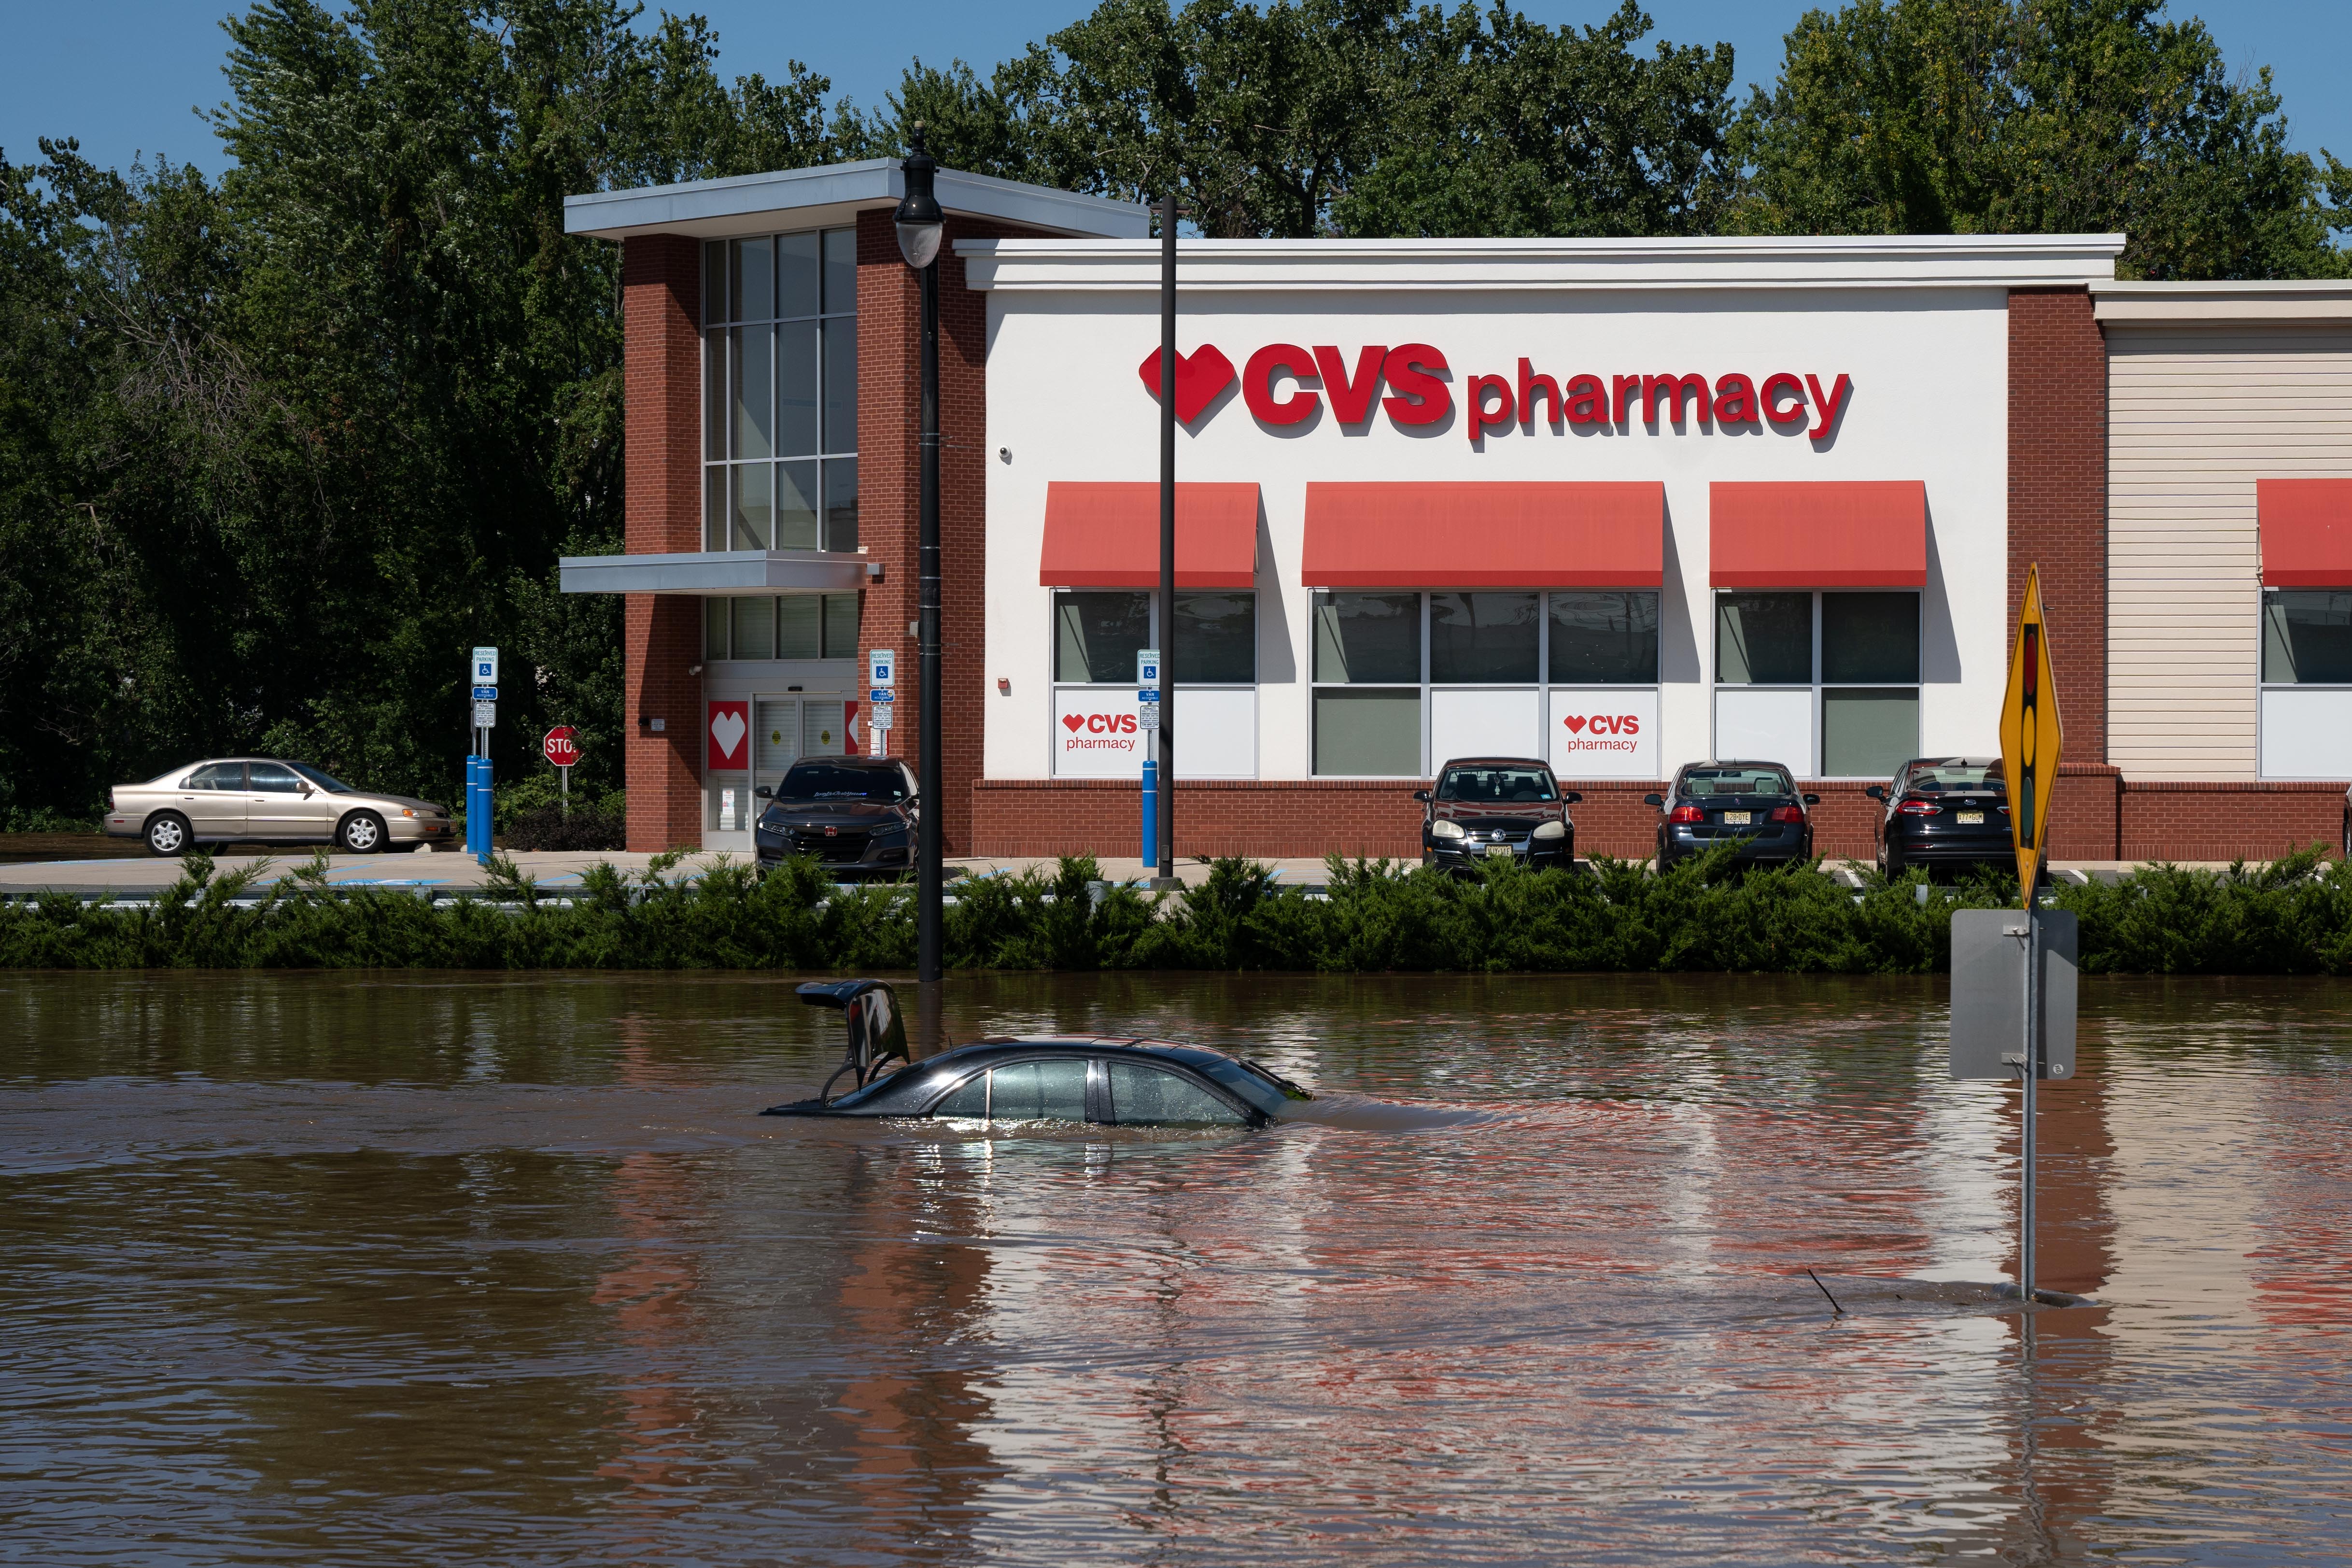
(1753, 804)
(1493, 808)
(854, 813)
(1943, 811)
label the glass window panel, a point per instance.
(841, 385)
(1097, 635)
(775, 735)
(1504, 785)
(1160, 1097)
(840, 271)
(754, 507)
(714, 281)
(1368, 734)
(968, 1099)
(714, 508)
(750, 281)
(796, 274)
(824, 729)
(800, 627)
(1038, 1091)
(272, 778)
(1216, 639)
(755, 628)
(1597, 638)
(2307, 636)
(1868, 734)
(714, 396)
(1476, 638)
(1362, 637)
(841, 626)
(1870, 638)
(1743, 779)
(796, 505)
(714, 628)
(1764, 639)
(228, 776)
(796, 389)
(751, 388)
(841, 503)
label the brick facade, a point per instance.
(661, 316)
(2058, 495)
(2166, 820)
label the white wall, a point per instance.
(1929, 369)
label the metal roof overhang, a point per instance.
(835, 194)
(721, 573)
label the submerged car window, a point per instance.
(1140, 1094)
(217, 776)
(330, 784)
(1497, 785)
(1039, 1091)
(1736, 780)
(1266, 1096)
(1935, 778)
(969, 1097)
(819, 781)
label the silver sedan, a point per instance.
(266, 800)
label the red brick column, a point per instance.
(889, 426)
(661, 313)
(2086, 810)
(2058, 495)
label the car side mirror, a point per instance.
(1812, 800)
(1654, 800)
(1876, 792)
(1572, 797)
(306, 795)
(1421, 794)
(764, 793)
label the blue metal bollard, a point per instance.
(482, 797)
(477, 807)
(1151, 815)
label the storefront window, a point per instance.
(1484, 639)
(1097, 634)
(1364, 642)
(779, 392)
(1825, 684)
(2307, 636)
(786, 625)
(1602, 639)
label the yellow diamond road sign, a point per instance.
(2031, 736)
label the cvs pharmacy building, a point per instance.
(1619, 504)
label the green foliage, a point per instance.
(2293, 916)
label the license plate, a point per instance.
(1498, 849)
(1971, 818)
(1738, 818)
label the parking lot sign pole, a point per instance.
(2031, 740)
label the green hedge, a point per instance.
(2291, 917)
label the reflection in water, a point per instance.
(499, 1270)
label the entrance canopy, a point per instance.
(1485, 534)
(1107, 535)
(1856, 533)
(2306, 527)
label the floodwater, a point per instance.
(327, 1268)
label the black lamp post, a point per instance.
(920, 225)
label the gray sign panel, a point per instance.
(1989, 993)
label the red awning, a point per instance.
(2306, 532)
(1473, 535)
(1856, 533)
(1107, 536)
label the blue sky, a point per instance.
(123, 75)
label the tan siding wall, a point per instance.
(2195, 416)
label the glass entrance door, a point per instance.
(775, 739)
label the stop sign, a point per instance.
(562, 746)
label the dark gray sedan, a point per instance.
(1122, 1082)
(1754, 805)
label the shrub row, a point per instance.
(2292, 916)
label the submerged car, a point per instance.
(267, 800)
(1496, 808)
(1754, 805)
(1943, 811)
(1087, 1079)
(854, 813)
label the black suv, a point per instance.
(1495, 807)
(1943, 811)
(854, 813)
(1753, 804)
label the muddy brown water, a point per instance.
(344, 1270)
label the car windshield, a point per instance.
(822, 781)
(1257, 1090)
(324, 779)
(1738, 778)
(1958, 773)
(1496, 784)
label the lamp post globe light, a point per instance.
(920, 225)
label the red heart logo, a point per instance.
(1074, 722)
(1576, 724)
(1198, 379)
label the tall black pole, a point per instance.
(1167, 616)
(929, 941)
